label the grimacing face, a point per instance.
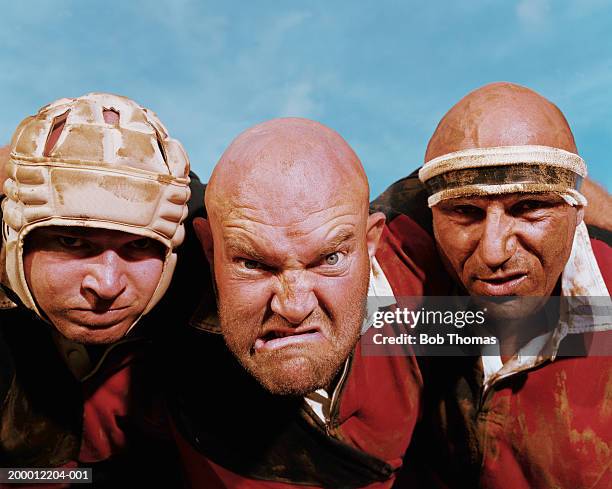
(506, 245)
(92, 284)
(292, 288)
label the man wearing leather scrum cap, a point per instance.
(95, 199)
(294, 402)
(503, 176)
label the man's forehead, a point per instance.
(293, 219)
(551, 197)
(298, 196)
(291, 242)
(286, 225)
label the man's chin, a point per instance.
(501, 308)
(93, 336)
(294, 377)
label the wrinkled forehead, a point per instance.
(505, 200)
(299, 231)
(289, 190)
(293, 198)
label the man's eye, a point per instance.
(251, 264)
(71, 242)
(467, 210)
(141, 244)
(332, 259)
(530, 205)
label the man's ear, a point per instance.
(202, 229)
(375, 226)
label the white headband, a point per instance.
(509, 169)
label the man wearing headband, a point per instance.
(503, 177)
(95, 199)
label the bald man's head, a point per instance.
(288, 218)
(500, 114)
(287, 160)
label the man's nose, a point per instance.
(294, 298)
(497, 242)
(106, 276)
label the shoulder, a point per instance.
(196, 200)
(600, 234)
(407, 252)
(406, 197)
(601, 242)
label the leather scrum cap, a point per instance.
(98, 161)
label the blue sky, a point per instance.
(381, 73)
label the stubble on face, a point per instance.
(296, 371)
(247, 315)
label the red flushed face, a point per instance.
(92, 284)
(292, 284)
(508, 245)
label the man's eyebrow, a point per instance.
(244, 248)
(463, 201)
(71, 231)
(542, 197)
(334, 243)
